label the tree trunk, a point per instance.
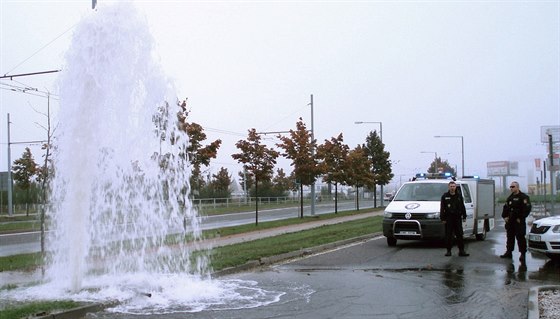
(357, 198)
(336, 198)
(256, 201)
(375, 195)
(301, 200)
(27, 203)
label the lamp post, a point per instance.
(380, 128)
(381, 138)
(462, 150)
(435, 159)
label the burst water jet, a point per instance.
(119, 193)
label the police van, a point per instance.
(414, 212)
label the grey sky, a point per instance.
(486, 70)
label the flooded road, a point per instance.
(412, 280)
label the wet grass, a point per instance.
(239, 254)
(22, 262)
(34, 309)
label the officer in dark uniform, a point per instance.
(516, 209)
(452, 213)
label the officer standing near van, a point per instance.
(516, 209)
(452, 214)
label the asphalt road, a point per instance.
(29, 242)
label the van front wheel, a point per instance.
(391, 241)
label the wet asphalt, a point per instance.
(368, 279)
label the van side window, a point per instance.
(464, 189)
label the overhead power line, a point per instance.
(6, 76)
(41, 48)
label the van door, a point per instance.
(468, 226)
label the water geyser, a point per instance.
(121, 176)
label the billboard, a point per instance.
(3, 181)
(502, 168)
(553, 130)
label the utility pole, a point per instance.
(10, 207)
(552, 169)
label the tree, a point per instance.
(299, 147)
(282, 183)
(379, 161)
(275, 187)
(245, 181)
(257, 159)
(334, 154)
(197, 153)
(438, 166)
(220, 183)
(24, 169)
(358, 171)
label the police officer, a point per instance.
(452, 214)
(516, 209)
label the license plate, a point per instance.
(534, 237)
(408, 233)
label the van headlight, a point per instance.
(432, 215)
(387, 214)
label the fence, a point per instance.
(200, 203)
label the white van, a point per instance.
(414, 212)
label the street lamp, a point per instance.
(462, 150)
(381, 138)
(380, 128)
(435, 158)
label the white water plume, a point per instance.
(121, 178)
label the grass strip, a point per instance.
(20, 226)
(30, 310)
(22, 262)
(232, 230)
(239, 254)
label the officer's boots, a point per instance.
(507, 254)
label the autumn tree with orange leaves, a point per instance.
(358, 171)
(197, 153)
(258, 160)
(299, 147)
(333, 155)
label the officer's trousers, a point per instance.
(515, 230)
(454, 228)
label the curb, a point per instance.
(79, 312)
(533, 303)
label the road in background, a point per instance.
(30, 242)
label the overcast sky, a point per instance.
(485, 70)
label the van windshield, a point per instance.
(421, 192)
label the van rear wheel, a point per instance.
(391, 241)
(481, 236)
